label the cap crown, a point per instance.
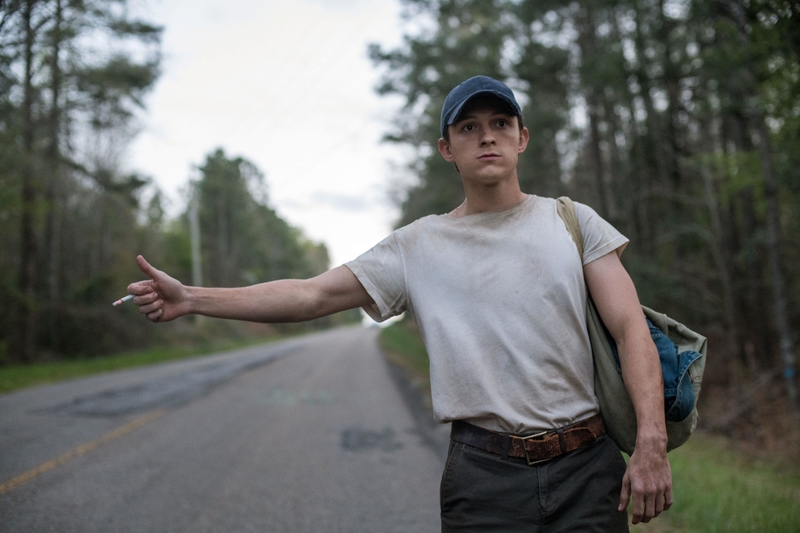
(465, 91)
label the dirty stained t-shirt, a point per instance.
(500, 300)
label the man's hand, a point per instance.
(647, 482)
(161, 298)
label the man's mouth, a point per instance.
(490, 155)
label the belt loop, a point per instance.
(562, 442)
(506, 445)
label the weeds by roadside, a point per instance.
(14, 377)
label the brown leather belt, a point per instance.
(533, 448)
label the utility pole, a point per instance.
(194, 231)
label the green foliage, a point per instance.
(242, 239)
(111, 87)
(652, 112)
(72, 77)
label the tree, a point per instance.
(461, 38)
(243, 239)
(676, 119)
(69, 72)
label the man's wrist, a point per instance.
(653, 439)
(190, 300)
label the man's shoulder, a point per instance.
(420, 225)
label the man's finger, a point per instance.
(638, 509)
(649, 508)
(659, 504)
(625, 494)
(140, 288)
(146, 298)
(146, 267)
(146, 309)
(155, 316)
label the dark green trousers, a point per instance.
(577, 492)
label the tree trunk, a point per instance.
(773, 258)
(586, 41)
(653, 123)
(27, 258)
(51, 258)
(52, 161)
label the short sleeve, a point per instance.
(599, 237)
(381, 271)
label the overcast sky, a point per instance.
(288, 86)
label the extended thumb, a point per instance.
(146, 267)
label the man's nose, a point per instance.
(487, 137)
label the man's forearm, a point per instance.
(289, 300)
(163, 298)
(641, 372)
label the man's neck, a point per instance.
(482, 198)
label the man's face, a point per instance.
(485, 142)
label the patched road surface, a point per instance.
(308, 435)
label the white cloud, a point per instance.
(287, 85)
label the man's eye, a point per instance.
(469, 127)
(502, 123)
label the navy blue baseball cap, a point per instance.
(475, 86)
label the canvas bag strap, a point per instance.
(619, 416)
(566, 210)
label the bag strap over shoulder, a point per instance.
(566, 210)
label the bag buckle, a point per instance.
(524, 447)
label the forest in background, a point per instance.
(73, 78)
(677, 120)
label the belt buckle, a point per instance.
(524, 447)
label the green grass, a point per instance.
(720, 490)
(402, 339)
(716, 489)
(15, 377)
(403, 346)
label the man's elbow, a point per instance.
(315, 300)
(309, 303)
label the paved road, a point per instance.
(312, 434)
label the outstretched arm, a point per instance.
(163, 298)
(648, 479)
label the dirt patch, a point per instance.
(761, 425)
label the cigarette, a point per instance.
(123, 300)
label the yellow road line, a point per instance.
(80, 450)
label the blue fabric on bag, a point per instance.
(678, 391)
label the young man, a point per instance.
(498, 290)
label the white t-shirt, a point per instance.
(500, 300)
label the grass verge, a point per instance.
(15, 377)
(403, 346)
(716, 488)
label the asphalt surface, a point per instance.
(313, 434)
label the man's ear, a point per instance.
(444, 149)
(524, 137)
